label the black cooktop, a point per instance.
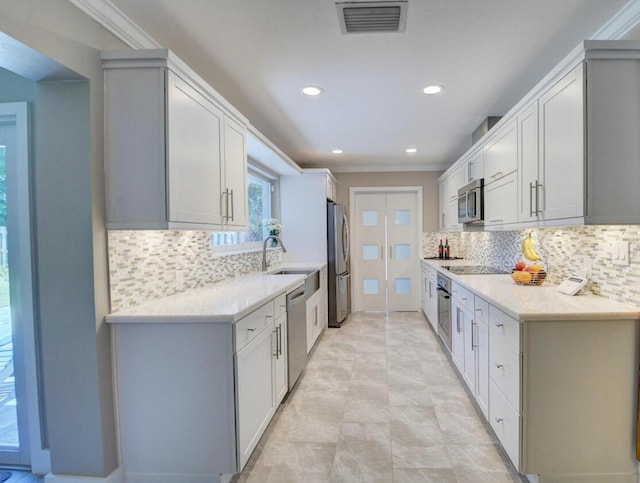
(473, 269)
(438, 258)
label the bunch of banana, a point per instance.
(527, 249)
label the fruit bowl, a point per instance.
(526, 277)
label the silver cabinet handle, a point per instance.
(268, 316)
(499, 325)
(278, 341)
(275, 331)
(499, 366)
(232, 205)
(538, 185)
(498, 420)
(531, 213)
(499, 173)
(473, 344)
(251, 330)
(478, 310)
(465, 298)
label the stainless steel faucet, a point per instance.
(264, 249)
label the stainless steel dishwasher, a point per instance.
(296, 333)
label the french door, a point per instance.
(386, 248)
(16, 305)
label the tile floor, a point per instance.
(378, 402)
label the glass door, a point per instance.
(14, 282)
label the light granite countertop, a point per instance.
(225, 301)
(536, 303)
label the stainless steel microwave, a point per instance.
(471, 202)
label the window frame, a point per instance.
(255, 170)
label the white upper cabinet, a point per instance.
(475, 166)
(560, 190)
(528, 179)
(501, 153)
(572, 143)
(235, 174)
(175, 151)
(194, 155)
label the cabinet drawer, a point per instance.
(247, 328)
(481, 308)
(504, 368)
(506, 326)
(280, 305)
(506, 423)
(464, 296)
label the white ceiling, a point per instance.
(259, 53)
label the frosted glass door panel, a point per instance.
(370, 252)
(403, 286)
(402, 217)
(369, 218)
(370, 286)
(402, 251)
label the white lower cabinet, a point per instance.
(470, 343)
(194, 399)
(506, 422)
(279, 352)
(430, 296)
(317, 312)
(255, 391)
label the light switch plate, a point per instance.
(620, 253)
(179, 280)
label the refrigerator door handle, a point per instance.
(345, 238)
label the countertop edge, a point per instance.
(618, 311)
(137, 315)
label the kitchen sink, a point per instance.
(293, 271)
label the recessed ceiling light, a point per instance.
(433, 89)
(312, 90)
(337, 151)
(411, 150)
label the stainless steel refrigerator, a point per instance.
(338, 263)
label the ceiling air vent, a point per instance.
(368, 17)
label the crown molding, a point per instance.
(115, 21)
(621, 24)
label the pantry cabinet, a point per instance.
(175, 151)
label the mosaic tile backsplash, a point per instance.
(563, 251)
(143, 264)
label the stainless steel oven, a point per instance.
(444, 310)
(471, 202)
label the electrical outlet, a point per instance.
(179, 280)
(620, 253)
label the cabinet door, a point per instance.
(279, 354)
(255, 397)
(482, 365)
(443, 204)
(501, 154)
(433, 302)
(194, 155)
(235, 170)
(562, 147)
(469, 372)
(500, 205)
(457, 334)
(475, 167)
(528, 180)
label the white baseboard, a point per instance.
(115, 477)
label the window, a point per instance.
(261, 191)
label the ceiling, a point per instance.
(259, 53)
